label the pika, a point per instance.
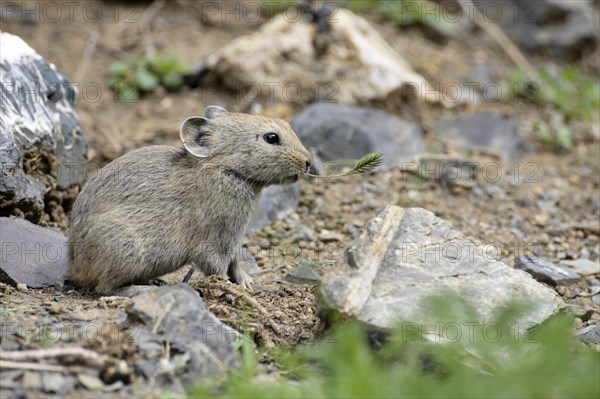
(159, 208)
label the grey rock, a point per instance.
(545, 271)
(564, 28)
(329, 236)
(9, 342)
(444, 169)
(31, 255)
(405, 256)
(41, 139)
(590, 334)
(304, 273)
(248, 263)
(302, 233)
(8, 379)
(333, 131)
(487, 131)
(147, 368)
(351, 63)
(582, 266)
(177, 314)
(91, 382)
(275, 203)
(32, 381)
(149, 345)
(56, 383)
(115, 386)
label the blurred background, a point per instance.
(488, 113)
(489, 50)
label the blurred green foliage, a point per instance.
(134, 77)
(575, 94)
(478, 362)
(559, 140)
(408, 12)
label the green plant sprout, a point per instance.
(365, 164)
(136, 76)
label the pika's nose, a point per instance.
(308, 165)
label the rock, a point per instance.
(330, 236)
(22, 287)
(582, 266)
(177, 314)
(304, 273)
(545, 271)
(444, 169)
(567, 29)
(248, 263)
(404, 256)
(32, 381)
(9, 342)
(332, 131)
(8, 380)
(300, 232)
(56, 383)
(350, 63)
(276, 202)
(90, 382)
(31, 255)
(42, 140)
(115, 386)
(485, 131)
(541, 219)
(590, 334)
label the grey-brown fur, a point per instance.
(158, 208)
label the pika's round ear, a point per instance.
(195, 134)
(212, 111)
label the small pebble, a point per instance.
(22, 287)
(329, 236)
(541, 219)
(90, 382)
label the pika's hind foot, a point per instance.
(237, 275)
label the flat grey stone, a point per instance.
(333, 131)
(545, 271)
(32, 381)
(56, 383)
(275, 203)
(590, 334)
(31, 255)
(405, 256)
(177, 314)
(304, 273)
(444, 169)
(331, 236)
(8, 379)
(582, 266)
(488, 131)
(90, 382)
(39, 123)
(566, 29)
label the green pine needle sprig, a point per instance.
(365, 164)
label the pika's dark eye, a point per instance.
(271, 138)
